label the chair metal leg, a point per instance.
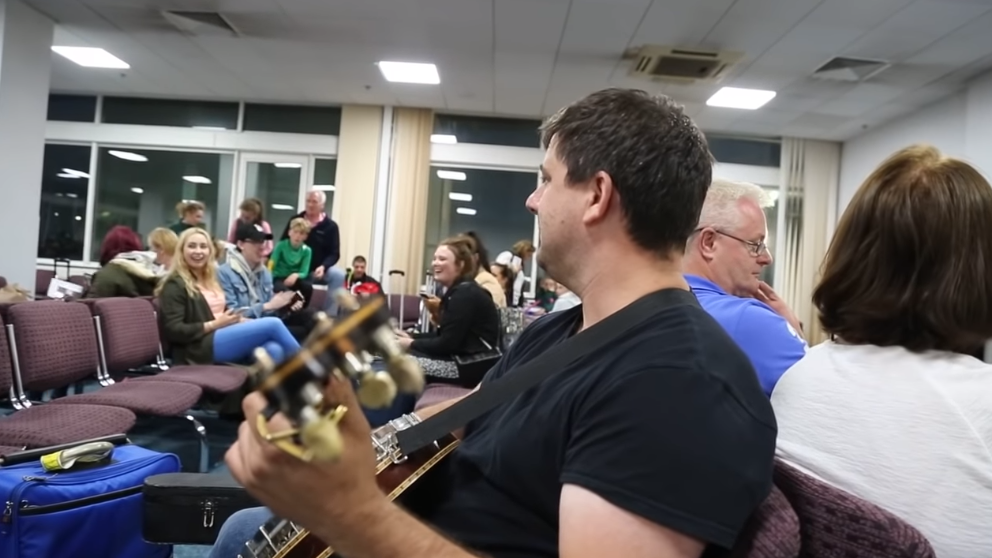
(201, 432)
(19, 398)
(102, 372)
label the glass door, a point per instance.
(279, 181)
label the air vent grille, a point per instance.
(850, 69)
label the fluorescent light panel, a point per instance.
(283, 207)
(459, 196)
(73, 173)
(738, 98)
(197, 179)
(450, 175)
(91, 57)
(138, 190)
(409, 72)
(210, 128)
(324, 187)
(465, 211)
(443, 138)
(128, 156)
(288, 165)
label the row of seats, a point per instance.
(54, 345)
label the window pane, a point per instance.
(279, 190)
(745, 152)
(143, 194)
(64, 184)
(72, 108)
(771, 215)
(163, 112)
(324, 172)
(293, 119)
(491, 131)
(496, 197)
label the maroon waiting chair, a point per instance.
(836, 524)
(127, 330)
(41, 426)
(772, 531)
(56, 346)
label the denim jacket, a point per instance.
(237, 290)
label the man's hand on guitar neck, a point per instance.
(340, 501)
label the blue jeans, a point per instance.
(334, 278)
(235, 343)
(240, 528)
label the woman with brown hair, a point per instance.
(894, 409)
(515, 259)
(251, 212)
(469, 321)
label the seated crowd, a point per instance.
(893, 409)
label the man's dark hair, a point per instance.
(658, 160)
(359, 259)
(909, 262)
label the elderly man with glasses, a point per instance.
(723, 261)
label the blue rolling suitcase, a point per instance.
(94, 511)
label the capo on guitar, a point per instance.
(335, 351)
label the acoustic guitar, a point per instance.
(341, 350)
(395, 473)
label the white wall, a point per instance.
(25, 62)
(960, 126)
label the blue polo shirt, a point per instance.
(765, 337)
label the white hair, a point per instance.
(722, 205)
(320, 195)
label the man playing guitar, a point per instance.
(660, 447)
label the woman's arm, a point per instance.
(456, 324)
(172, 307)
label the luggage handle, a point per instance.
(32, 454)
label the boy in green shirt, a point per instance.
(290, 261)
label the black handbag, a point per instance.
(189, 508)
(471, 368)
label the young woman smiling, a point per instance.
(195, 318)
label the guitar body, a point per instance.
(282, 539)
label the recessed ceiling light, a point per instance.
(738, 98)
(78, 218)
(450, 175)
(67, 175)
(137, 190)
(458, 196)
(210, 128)
(75, 173)
(71, 195)
(324, 187)
(465, 211)
(409, 72)
(288, 165)
(443, 138)
(127, 156)
(91, 57)
(283, 207)
(197, 180)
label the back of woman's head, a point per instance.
(118, 240)
(462, 248)
(254, 207)
(185, 208)
(523, 248)
(163, 239)
(910, 263)
(482, 255)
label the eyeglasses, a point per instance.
(754, 248)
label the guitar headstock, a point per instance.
(336, 350)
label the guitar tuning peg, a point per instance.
(376, 390)
(346, 300)
(406, 373)
(263, 360)
(322, 437)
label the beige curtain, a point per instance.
(409, 181)
(354, 195)
(810, 171)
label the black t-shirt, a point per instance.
(670, 424)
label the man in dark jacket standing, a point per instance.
(325, 242)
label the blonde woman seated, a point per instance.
(468, 324)
(196, 319)
(894, 409)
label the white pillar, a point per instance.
(25, 66)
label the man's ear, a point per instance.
(707, 242)
(601, 193)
